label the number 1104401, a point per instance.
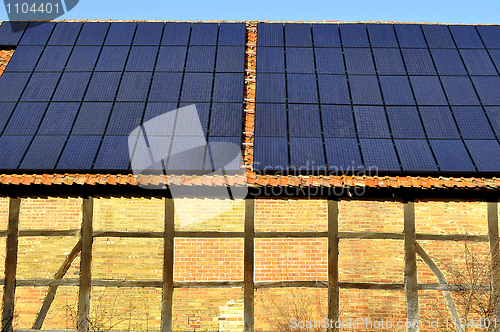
(25, 8)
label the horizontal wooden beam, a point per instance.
(280, 284)
(44, 232)
(452, 237)
(371, 235)
(147, 235)
(270, 235)
(210, 234)
(208, 284)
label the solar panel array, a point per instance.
(73, 92)
(392, 98)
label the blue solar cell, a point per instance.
(485, 154)
(165, 87)
(459, 90)
(185, 125)
(439, 122)
(494, 117)
(125, 117)
(222, 153)
(365, 90)
(161, 126)
(452, 156)
(438, 36)
(65, 33)
(176, 34)
(379, 155)
(304, 121)
(230, 59)
(389, 61)
(270, 34)
(204, 34)
(92, 119)
(448, 62)
(171, 58)
(478, 62)
(93, 33)
(487, 88)
(79, 152)
(11, 32)
(396, 90)
(405, 122)
(298, 35)
(72, 86)
(12, 85)
(307, 154)
(112, 58)
(333, 89)
(228, 87)
(54, 58)
(152, 157)
(270, 153)
(494, 54)
(148, 33)
(354, 35)
(410, 36)
(201, 59)
(43, 152)
(83, 58)
(41, 87)
(271, 120)
(490, 34)
(415, 155)
(466, 36)
(473, 123)
(359, 61)
(120, 33)
(197, 87)
(342, 155)
(25, 119)
(371, 122)
(59, 119)
(300, 60)
(271, 60)
(232, 34)
(5, 112)
(134, 86)
(418, 62)
(103, 87)
(428, 90)
(113, 153)
(142, 58)
(270, 88)
(382, 35)
(24, 58)
(187, 153)
(302, 88)
(329, 61)
(12, 150)
(326, 35)
(337, 121)
(37, 33)
(226, 119)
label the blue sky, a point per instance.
(456, 11)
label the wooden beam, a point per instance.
(248, 276)
(371, 285)
(208, 284)
(168, 267)
(146, 235)
(221, 235)
(298, 283)
(410, 267)
(333, 260)
(85, 265)
(270, 235)
(452, 237)
(9, 290)
(495, 258)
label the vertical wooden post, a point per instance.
(85, 265)
(495, 259)
(10, 265)
(410, 267)
(333, 261)
(248, 278)
(168, 267)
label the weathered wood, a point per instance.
(44, 232)
(371, 235)
(47, 282)
(53, 289)
(208, 284)
(168, 267)
(221, 235)
(283, 284)
(371, 285)
(9, 290)
(333, 260)
(452, 237)
(270, 235)
(85, 265)
(410, 267)
(495, 258)
(248, 276)
(147, 235)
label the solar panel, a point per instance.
(187, 153)
(494, 54)
(329, 61)
(337, 121)
(434, 118)
(298, 35)
(379, 155)
(125, 117)
(472, 123)
(24, 58)
(142, 58)
(438, 36)
(307, 153)
(365, 90)
(270, 88)
(165, 87)
(418, 62)
(40, 87)
(83, 58)
(38, 33)
(171, 58)
(354, 35)
(466, 36)
(389, 61)
(5, 112)
(184, 124)
(103, 86)
(58, 119)
(428, 90)
(452, 156)
(371, 122)
(382, 35)
(448, 62)
(333, 89)
(113, 153)
(271, 120)
(148, 33)
(302, 88)
(486, 154)
(204, 34)
(25, 119)
(197, 87)
(410, 36)
(223, 153)
(43, 152)
(201, 59)
(405, 122)
(271, 153)
(359, 61)
(159, 148)
(92, 119)
(493, 114)
(342, 154)
(79, 152)
(134, 86)
(112, 58)
(54, 58)
(304, 121)
(326, 35)
(459, 90)
(11, 32)
(161, 126)
(396, 90)
(270, 34)
(72, 86)
(299, 60)
(226, 119)
(12, 150)
(490, 34)
(232, 34)
(270, 60)
(487, 88)
(93, 33)
(120, 33)
(65, 33)
(228, 87)
(415, 155)
(12, 85)
(176, 34)
(478, 62)
(230, 59)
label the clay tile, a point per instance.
(218, 181)
(69, 180)
(383, 182)
(393, 181)
(47, 179)
(416, 182)
(359, 181)
(404, 181)
(497, 182)
(26, 180)
(273, 181)
(197, 180)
